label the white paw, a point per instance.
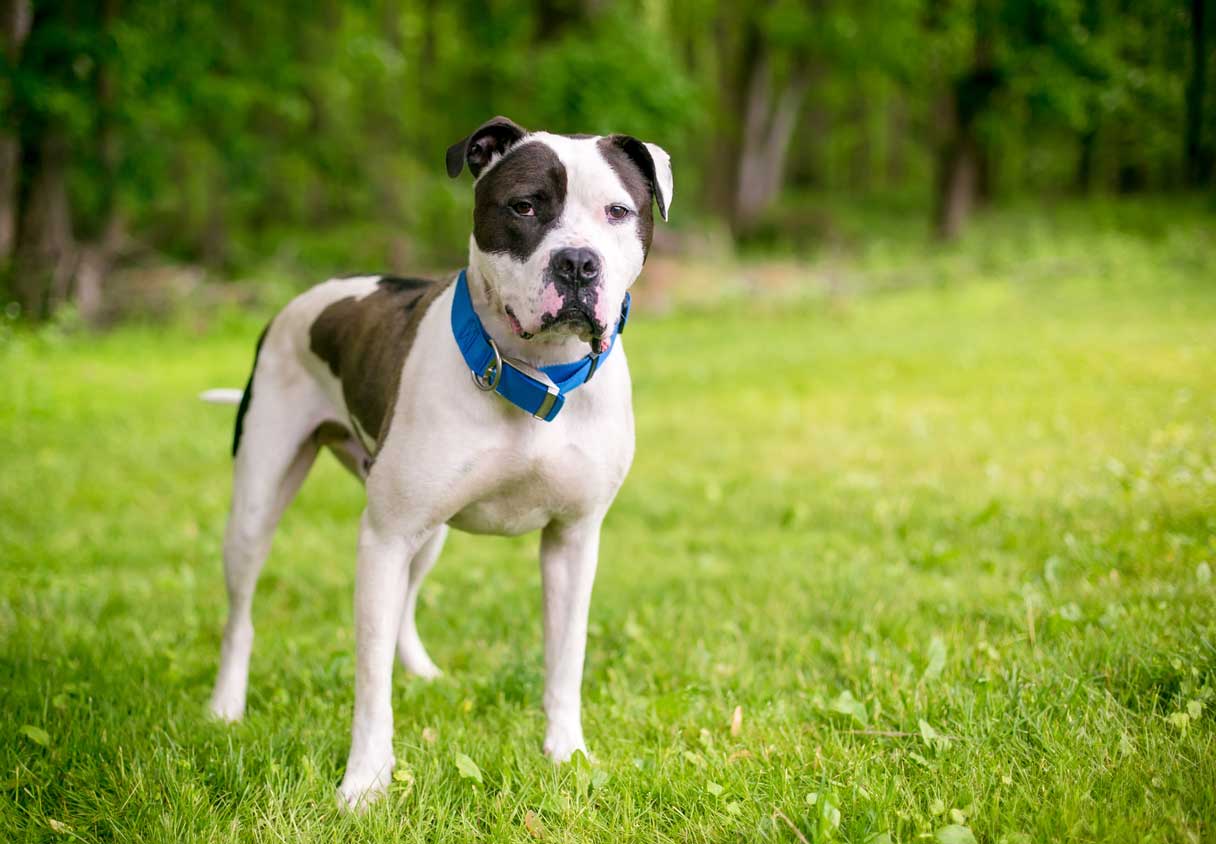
(422, 667)
(364, 785)
(561, 742)
(415, 659)
(227, 707)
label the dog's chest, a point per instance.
(530, 488)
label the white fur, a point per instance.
(454, 456)
(221, 395)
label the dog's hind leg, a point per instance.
(410, 649)
(273, 457)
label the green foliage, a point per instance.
(585, 82)
(980, 502)
(233, 128)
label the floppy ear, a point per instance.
(494, 137)
(655, 164)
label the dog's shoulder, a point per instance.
(365, 338)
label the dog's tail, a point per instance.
(222, 395)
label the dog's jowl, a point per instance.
(494, 401)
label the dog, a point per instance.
(497, 401)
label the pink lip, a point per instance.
(515, 324)
(551, 301)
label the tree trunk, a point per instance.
(750, 190)
(733, 80)
(96, 258)
(962, 167)
(897, 148)
(1197, 159)
(390, 25)
(10, 167)
(14, 28)
(768, 130)
(1093, 21)
(1087, 147)
(985, 175)
(46, 252)
(429, 53)
(214, 251)
(958, 174)
(861, 169)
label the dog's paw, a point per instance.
(415, 659)
(422, 667)
(363, 786)
(227, 708)
(561, 743)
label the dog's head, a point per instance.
(561, 224)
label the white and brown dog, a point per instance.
(377, 369)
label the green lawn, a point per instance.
(948, 546)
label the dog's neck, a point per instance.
(541, 350)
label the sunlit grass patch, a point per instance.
(947, 550)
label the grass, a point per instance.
(948, 546)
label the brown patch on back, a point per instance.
(365, 343)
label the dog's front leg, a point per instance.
(568, 555)
(380, 591)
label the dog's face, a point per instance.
(561, 224)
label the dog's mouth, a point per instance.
(579, 320)
(516, 325)
(573, 317)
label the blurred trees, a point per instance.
(134, 130)
(1199, 149)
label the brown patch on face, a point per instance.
(621, 153)
(365, 343)
(531, 172)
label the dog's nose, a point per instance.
(575, 266)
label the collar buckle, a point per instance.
(490, 377)
(529, 371)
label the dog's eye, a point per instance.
(618, 212)
(523, 208)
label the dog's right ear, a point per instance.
(494, 137)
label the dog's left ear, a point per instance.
(655, 164)
(494, 137)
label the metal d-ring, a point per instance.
(488, 380)
(595, 364)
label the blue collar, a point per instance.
(541, 392)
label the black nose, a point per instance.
(575, 266)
